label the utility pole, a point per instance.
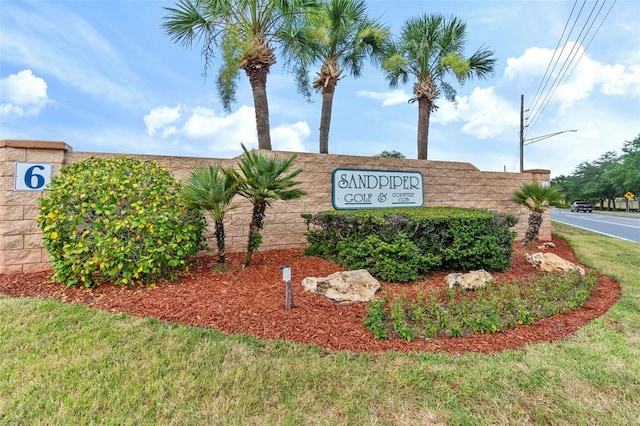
(531, 140)
(521, 132)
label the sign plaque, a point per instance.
(32, 176)
(361, 189)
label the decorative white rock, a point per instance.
(344, 287)
(469, 281)
(550, 262)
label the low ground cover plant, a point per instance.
(117, 220)
(400, 244)
(456, 312)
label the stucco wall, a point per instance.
(445, 184)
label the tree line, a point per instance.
(606, 179)
(334, 37)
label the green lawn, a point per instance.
(68, 364)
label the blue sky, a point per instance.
(102, 76)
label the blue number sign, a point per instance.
(32, 176)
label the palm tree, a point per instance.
(264, 178)
(537, 199)
(211, 190)
(430, 48)
(340, 36)
(243, 31)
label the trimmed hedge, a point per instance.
(399, 244)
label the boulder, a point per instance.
(547, 245)
(344, 287)
(469, 281)
(550, 262)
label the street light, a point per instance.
(524, 142)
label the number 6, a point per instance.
(30, 174)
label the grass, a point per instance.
(68, 364)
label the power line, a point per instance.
(547, 73)
(564, 73)
(533, 111)
(543, 99)
(594, 34)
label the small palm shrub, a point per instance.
(210, 189)
(117, 220)
(537, 199)
(263, 178)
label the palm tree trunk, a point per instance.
(258, 80)
(255, 239)
(325, 118)
(220, 241)
(424, 113)
(535, 221)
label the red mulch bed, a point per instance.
(252, 301)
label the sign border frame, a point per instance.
(34, 163)
(333, 192)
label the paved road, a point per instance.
(617, 226)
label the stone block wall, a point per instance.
(21, 248)
(445, 184)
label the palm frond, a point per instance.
(208, 188)
(536, 198)
(482, 63)
(267, 177)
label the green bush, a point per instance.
(427, 238)
(397, 261)
(117, 220)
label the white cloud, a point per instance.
(484, 113)
(393, 97)
(532, 64)
(202, 131)
(574, 76)
(618, 80)
(161, 118)
(290, 137)
(238, 127)
(448, 111)
(22, 94)
(487, 114)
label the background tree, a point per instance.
(264, 179)
(537, 199)
(626, 172)
(606, 179)
(591, 181)
(430, 49)
(244, 33)
(564, 183)
(211, 190)
(606, 187)
(340, 36)
(390, 154)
